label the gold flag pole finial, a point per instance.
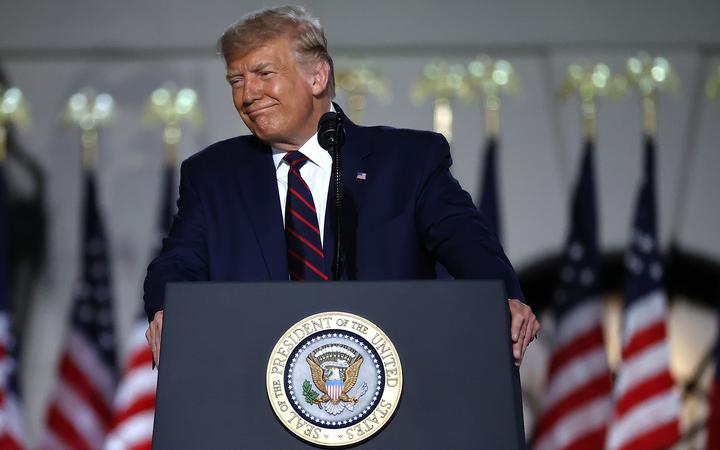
(589, 82)
(490, 78)
(89, 111)
(171, 107)
(442, 82)
(712, 89)
(359, 81)
(650, 75)
(13, 110)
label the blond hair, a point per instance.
(294, 22)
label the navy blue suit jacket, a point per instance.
(408, 213)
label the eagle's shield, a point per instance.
(334, 389)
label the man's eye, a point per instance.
(236, 82)
(265, 74)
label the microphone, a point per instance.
(331, 137)
(331, 125)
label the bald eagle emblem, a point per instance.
(334, 369)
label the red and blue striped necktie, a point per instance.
(302, 234)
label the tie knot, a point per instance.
(295, 159)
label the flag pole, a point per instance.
(134, 405)
(650, 75)
(648, 409)
(578, 306)
(490, 78)
(442, 83)
(89, 111)
(360, 81)
(89, 352)
(172, 107)
(13, 110)
(589, 82)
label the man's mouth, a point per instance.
(258, 110)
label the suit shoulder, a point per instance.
(218, 155)
(400, 140)
(405, 134)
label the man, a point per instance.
(253, 208)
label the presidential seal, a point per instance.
(334, 379)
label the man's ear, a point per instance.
(320, 78)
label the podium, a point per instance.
(460, 389)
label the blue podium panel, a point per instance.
(460, 391)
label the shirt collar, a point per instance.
(316, 154)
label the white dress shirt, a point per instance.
(316, 172)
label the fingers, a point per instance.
(529, 334)
(524, 326)
(516, 323)
(536, 330)
(153, 335)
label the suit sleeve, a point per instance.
(454, 231)
(184, 255)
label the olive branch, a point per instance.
(310, 394)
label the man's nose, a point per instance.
(251, 91)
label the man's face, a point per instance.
(274, 95)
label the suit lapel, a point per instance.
(258, 187)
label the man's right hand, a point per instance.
(153, 334)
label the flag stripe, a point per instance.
(141, 404)
(136, 383)
(713, 421)
(133, 433)
(588, 341)
(641, 392)
(591, 419)
(660, 437)
(644, 312)
(586, 315)
(656, 413)
(594, 439)
(642, 339)
(85, 355)
(83, 387)
(650, 362)
(140, 360)
(8, 443)
(596, 388)
(589, 366)
(66, 430)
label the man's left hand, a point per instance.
(524, 326)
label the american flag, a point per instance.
(489, 194)
(713, 423)
(80, 413)
(134, 405)
(647, 404)
(12, 436)
(576, 407)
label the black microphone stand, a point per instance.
(331, 136)
(338, 261)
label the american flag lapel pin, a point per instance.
(361, 176)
